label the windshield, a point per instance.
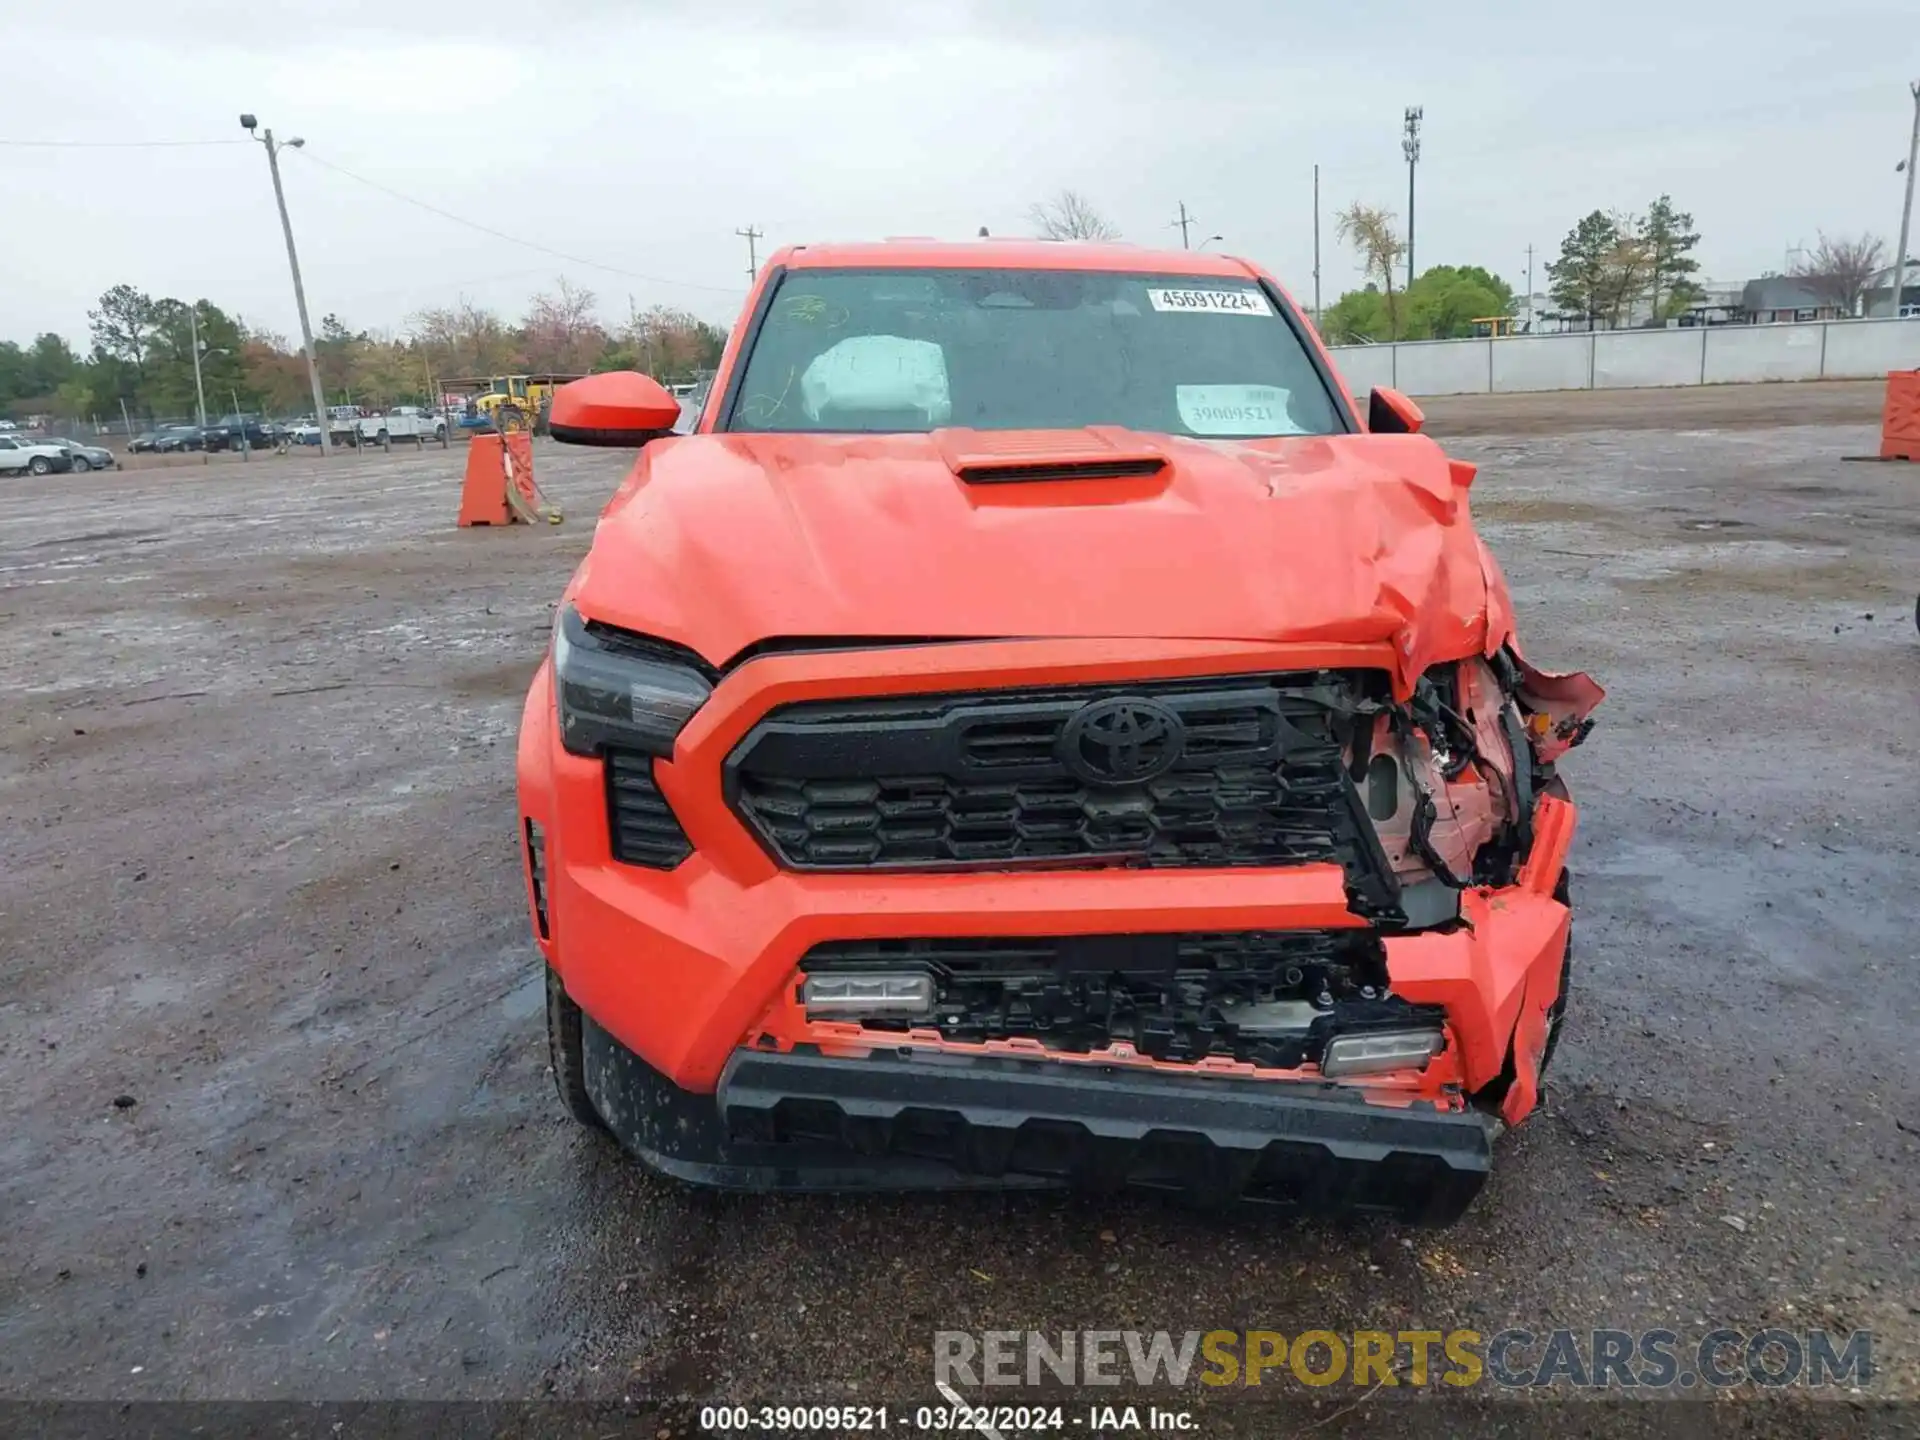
(915, 350)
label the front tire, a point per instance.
(566, 1050)
(81, 465)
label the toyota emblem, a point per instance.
(1122, 741)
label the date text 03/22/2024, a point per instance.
(961, 1418)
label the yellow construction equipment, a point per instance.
(508, 404)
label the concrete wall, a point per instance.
(1872, 347)
(1443, 367)
(1540, 362)
(1765, 352)
(1626, 358)
(1365, 366)
(1621, 359)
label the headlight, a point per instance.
(621, 692)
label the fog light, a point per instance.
(896, 996)
(1389, 1050)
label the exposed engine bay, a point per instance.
(1450, 777)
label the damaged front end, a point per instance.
(1439, 986)
(1452, 776)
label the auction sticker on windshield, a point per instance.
(1235, 410)
(1211, 302)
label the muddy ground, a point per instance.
(278, 1116)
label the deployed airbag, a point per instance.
(878, 373)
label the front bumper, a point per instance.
(685, 968)
(906, 1121)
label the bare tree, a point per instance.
(1071, 216)
(1839, 269)
(671, 344)
(466, 339)
(561, 331)
(1626, 270)
(1369, 229)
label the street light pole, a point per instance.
(199, 388)
(1410, 147)
(1906, 210)
(299, 291)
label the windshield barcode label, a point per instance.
(1212, 302)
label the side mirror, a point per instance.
(1391, 413)
(621, 408)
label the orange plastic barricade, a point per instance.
(1900, 422)
(499, 488)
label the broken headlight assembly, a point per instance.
(619, 691)
(1451, 778)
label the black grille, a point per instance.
(639, 820)
(953, 781)
(1267, 997)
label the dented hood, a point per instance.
(718, 541)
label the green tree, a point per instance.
(1576, 279)
(168, 386)
(1358, 315)
(1669, 238)
(14, 368)
(122, 326)
(1445, 300)
(51, 363)
(74, 399)
(1595, 268)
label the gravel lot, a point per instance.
(258, 879)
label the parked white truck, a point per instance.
(403, 422)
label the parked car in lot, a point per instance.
(177, 438)
(34, 457)
(231, 432)
(86, 457)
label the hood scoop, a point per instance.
(1021, 457)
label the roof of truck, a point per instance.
(915, 253)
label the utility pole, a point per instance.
(247, 123)
(1184, 222)
(246, 441)
(1906, 210)
(199, 389)
(1529, 289)
(752, 237)
(1316, 247)
(1410, 147)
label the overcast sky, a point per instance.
(638, 136)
